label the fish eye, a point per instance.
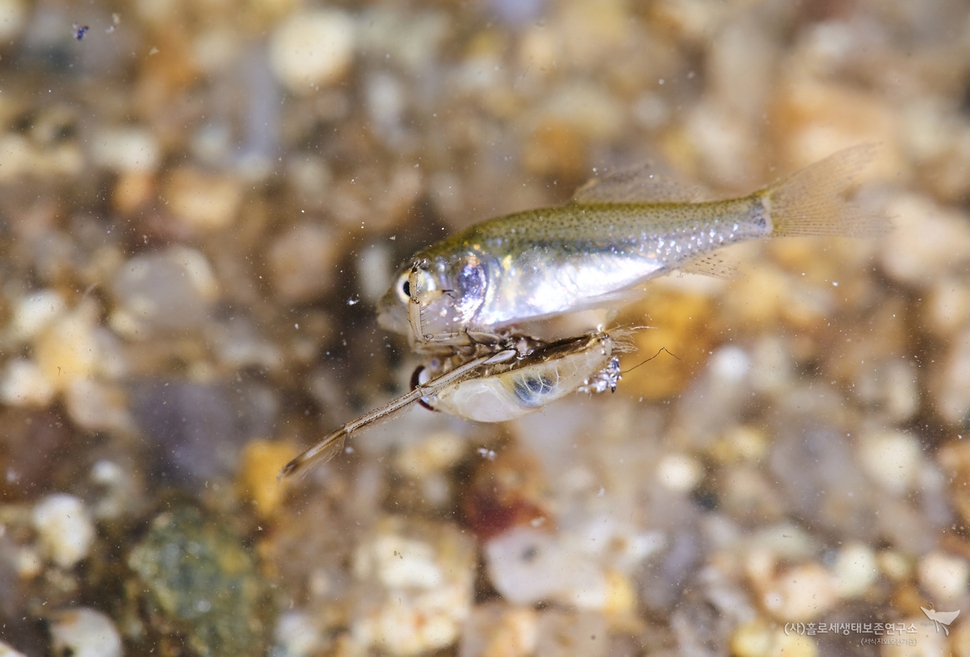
(403, 288)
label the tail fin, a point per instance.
(812, 201)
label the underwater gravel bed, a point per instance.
(200, 205)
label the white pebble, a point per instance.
(401, 562)
(13, 15)
(84, 632)
(312, 49)
(895, 565)
(801, 593)
(952, 398)
(302, 261)
(679, 472)
(374, 271)
(5, 649)
(69, 349)
(527, 565)
(162, 291)
(96, 406)
(927, 241)
(28, 563)
(204, 202)
(729, 364)
(891, 459)
(297, 634)
(34, 312)
(496, 629)
(125, 149)
(855, 570)
(24, 384)
(437, 452)
(64, 528)
(421, 582)
(944, 576)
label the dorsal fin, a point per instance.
(640, 184)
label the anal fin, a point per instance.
(711, 265)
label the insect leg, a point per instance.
(333, 442)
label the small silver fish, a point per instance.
(494, 387)
(599, 249)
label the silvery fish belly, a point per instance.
(518, 387)
(596, 252)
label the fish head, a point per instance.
(436, 296)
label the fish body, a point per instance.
(594, 253)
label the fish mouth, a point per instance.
(392, 315)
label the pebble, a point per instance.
(425, 577)
(412, 37)
(22, 383)
(947, 307)
(6, 650)
(312, 49)
(928, 241)
(855, 570)
(204, 202)
(563, 633)
(160, 292)
(741, 443)
(757, 638)
(302, 261)
(258, 479)
(943, 576)
(13, 16)
(801, 593)
(528, 565)
(65, 529)
(835, 491)
(128, 149)
(817, 118)
(495, 630)
(679, 472)
(573, 114)
(197, 431)
(951, 385)
(200, 581)
(34, 312)
(298, 152)
(436, 452)
(724, 143)
(892, 387)
(895, 565)
(297, 634)
(892, 459)
(506, 491)
(97, 406)
(740, 65)
(69, 348)
(375, 268)
(133, 191)
(683, 327)
(84, 632)
(753, 639)
(426, 464)
(119, 493)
